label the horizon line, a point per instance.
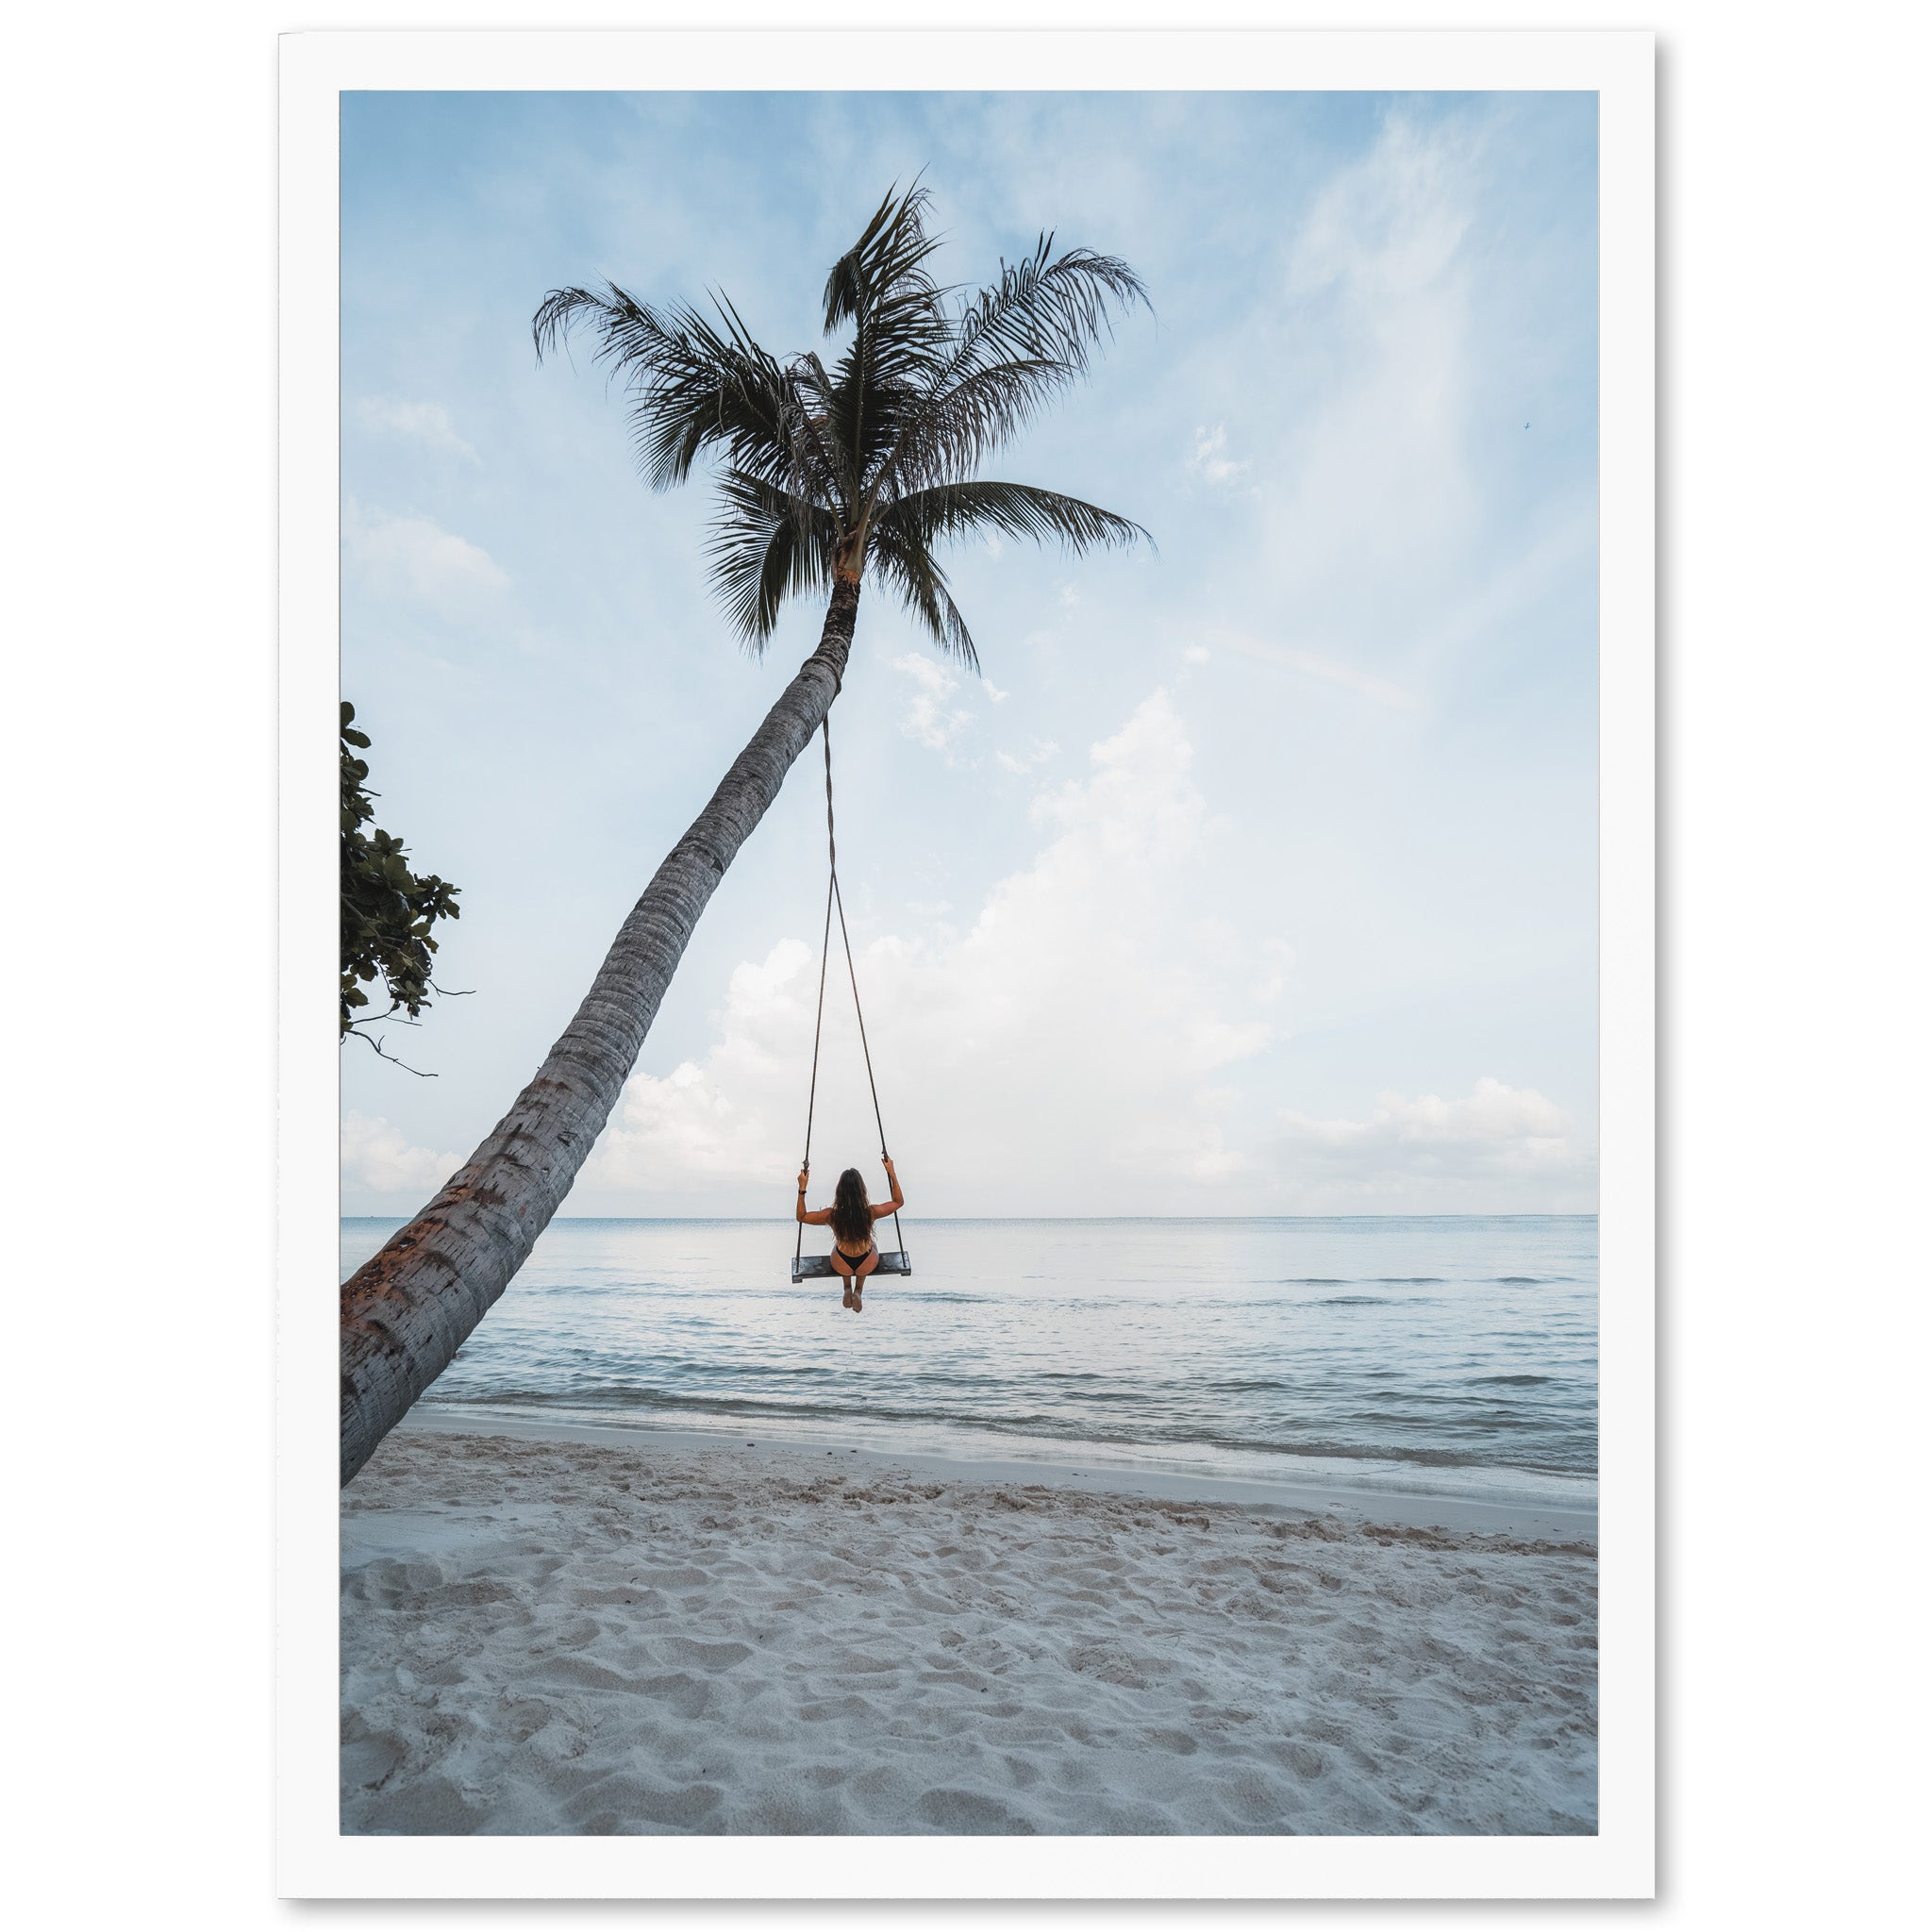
(941, 1220)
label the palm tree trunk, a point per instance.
(409, 1310)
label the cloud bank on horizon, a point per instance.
(1262, 879)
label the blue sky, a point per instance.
(1257, 875)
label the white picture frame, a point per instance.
(315, 1860)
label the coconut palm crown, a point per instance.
(872, 461)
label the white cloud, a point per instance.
(426, 422)
(1496, 1144)
(413, 559)
(1280, 957)
(1388, 228)
(1043, 748)
(1383, 493)
(1210, 460)
(1196, 653)
(995, 693)
(930, 719)
(377, 1160)
(1066, 1051)
(725, 1120)
(1494, 1116)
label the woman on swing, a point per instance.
(850, 1217)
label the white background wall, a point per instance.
(139, 157)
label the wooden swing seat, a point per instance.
(819, 1266)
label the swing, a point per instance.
(819, 1266)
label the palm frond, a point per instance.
(694, 384)
(908, 567)
(1016, 347)
(1048, 307)
(887, 263)
(951, 434)
(766, 545)
(901, 333)
(1013, 509)
(823, 413)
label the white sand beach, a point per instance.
(653, 1634)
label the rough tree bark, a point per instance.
(409, 1310)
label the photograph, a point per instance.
(971, 954)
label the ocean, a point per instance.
(1443, 1355)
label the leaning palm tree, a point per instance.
(822, 473)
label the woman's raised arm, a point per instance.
(898, 1200)
(811, 1220)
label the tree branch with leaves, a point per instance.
(389, 913)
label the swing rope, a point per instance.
(835, 900)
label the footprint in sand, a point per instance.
(688, 1697)
(1180, 1742)
(689, 1578)
(705, 1657)
(368, 1757)
(431, 1807)
(836, 1707)
(524, 1717)
(962, 1814)
(623, 1803)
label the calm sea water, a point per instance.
(1450, 1355)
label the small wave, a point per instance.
(644, 1285)
(702, 1371)
(661, 1400)
(1513, 1381)
(1474, 1450)
(1404, 1302)
(1359, 1281)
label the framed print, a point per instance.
(983, 1094)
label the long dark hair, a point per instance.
(851, 1208)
